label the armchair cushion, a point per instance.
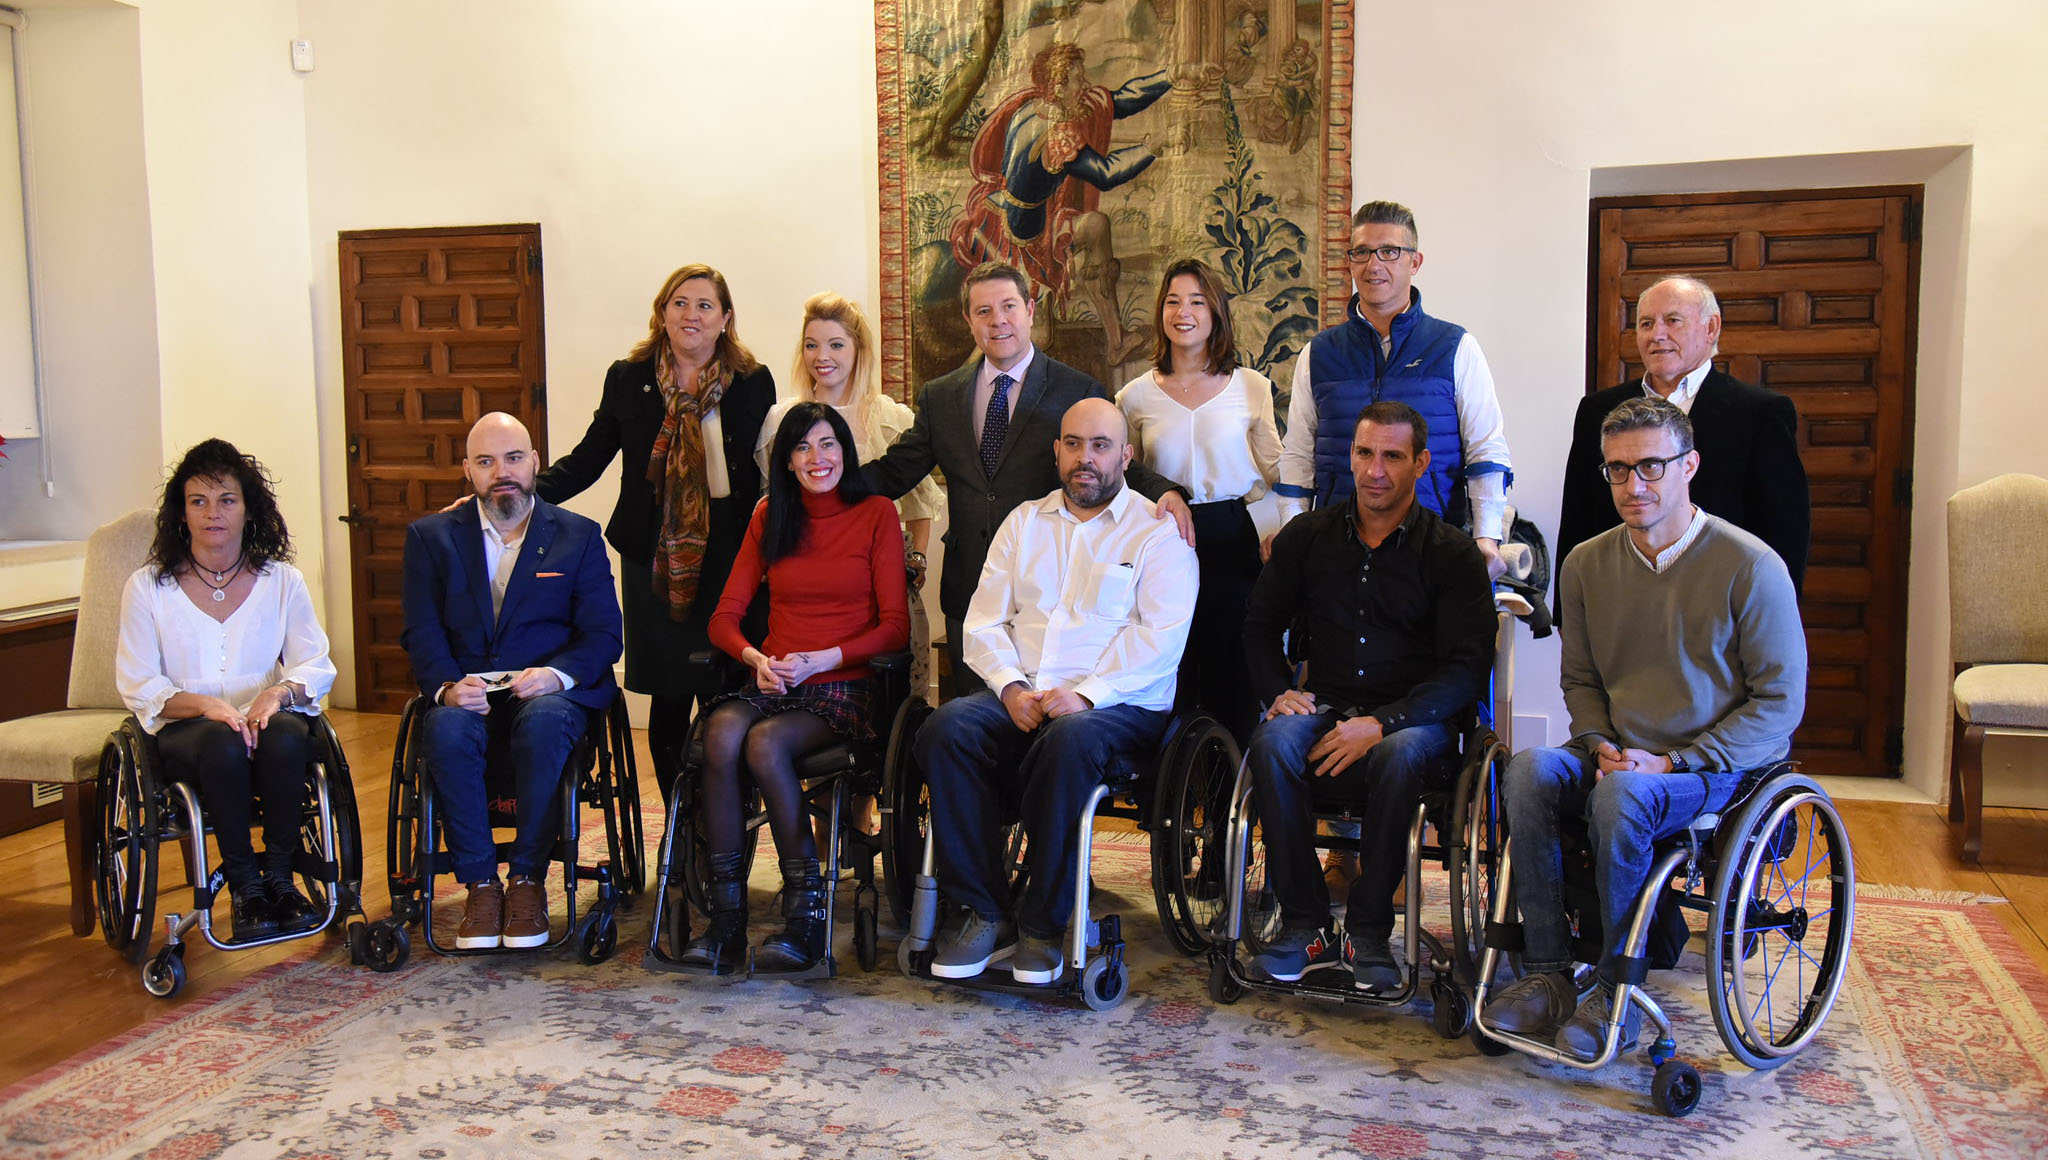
(2010, 696)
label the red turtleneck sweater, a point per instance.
(844, 586)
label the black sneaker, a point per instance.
(291, 908)
(1296, 952)
(252, 916)
(1374, 969)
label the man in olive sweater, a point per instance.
(1684, 667)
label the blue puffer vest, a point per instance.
(1347, 373)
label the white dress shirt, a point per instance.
(1227, 448)
(168, 646)
(500, 554)
(985, 387)
(1099, 606)
(1686, 391)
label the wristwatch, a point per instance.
(1678, 762)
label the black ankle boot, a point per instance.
(802, 941)
(291, 908)
(250, 909)
(723, 945)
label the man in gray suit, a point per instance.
(991, 426)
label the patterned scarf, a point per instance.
(676, 469)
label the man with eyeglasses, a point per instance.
(1388, 349)
(1684, 667)
(1749, 475)
(1391, 609)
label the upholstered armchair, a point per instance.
(63, 748)
(1998, 631)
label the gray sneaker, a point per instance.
(1585, 1033)
(969, 944)
(1375, 968)
(1037, 960)
(1535, 1006)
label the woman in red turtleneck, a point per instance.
(832, 554)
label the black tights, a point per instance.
(736, 732)
(668, 730)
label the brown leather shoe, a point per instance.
(1340, 870)
(526, 913)
(483, 917)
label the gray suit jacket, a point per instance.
(976, 502)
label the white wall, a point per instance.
(640, 135)
(1496, 140)
(98, 287)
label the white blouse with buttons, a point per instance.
(168, 646)
(1225, 448)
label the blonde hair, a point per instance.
(863, 379)
(730, 353)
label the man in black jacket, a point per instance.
(990, 427)
(1747, 437)
(1391, 609)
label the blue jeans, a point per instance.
(983, 770)
(1384, 785)
(536, 738)
(1625, 814)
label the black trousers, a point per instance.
(210, 754)
(1213, 673)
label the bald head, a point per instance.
(501, 465)
(1093, 451)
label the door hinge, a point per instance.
(1902, 487)
(533, 260)
(539, 393)
(1910, 227)
(1895, 749)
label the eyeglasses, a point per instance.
(1383, 253)
(1651, 470)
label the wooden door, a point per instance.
(1819, 293)
(438, 328)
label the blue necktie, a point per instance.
(995, 424)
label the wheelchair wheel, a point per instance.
(865, 947)
(164, 974)
(1450, 1011)
(1473, 853)
(625, 828)
(405, 854)
(348, 831)
(599, 936)
(905, 808)
(1784, 910)
(129, 824)
(1675, 1089)
(1189, 818)
(1104, 984)
(381, 946)
(1222, 988)
(1261, 907)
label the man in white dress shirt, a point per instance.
(1078, 624)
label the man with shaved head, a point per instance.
(1077, 627)
(512, 625)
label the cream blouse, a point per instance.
(1227, 448)
(168, 646)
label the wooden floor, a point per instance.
(60, 995)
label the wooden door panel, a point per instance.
(1817, 295)
(439, 327)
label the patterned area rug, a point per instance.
(1940, 1048)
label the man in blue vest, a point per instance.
(1388, 349)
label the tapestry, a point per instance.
(1091, 143)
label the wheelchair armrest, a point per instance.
(890, 663)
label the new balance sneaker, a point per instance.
(1585, 1033)
(1296, 952)
(1374, 969)
(1037, 960)
(969, 944)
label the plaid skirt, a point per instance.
(844, 706)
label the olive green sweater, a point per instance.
(1707, 657)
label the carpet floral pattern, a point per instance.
(538, 1055)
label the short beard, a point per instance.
(1089, 498)
(506, 506)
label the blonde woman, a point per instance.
(836, 365)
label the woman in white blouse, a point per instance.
(1200, 418)
(836, 365)
(222, 659)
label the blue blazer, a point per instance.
(560, 608)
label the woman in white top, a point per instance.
(836, 365)
(1200, 418)
(221, 658)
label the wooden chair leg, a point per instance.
(1973, 790)
(81, 846)
(1955, 769)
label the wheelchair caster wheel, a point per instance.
(164, 974)
(1451, 1012)
(1104, 984)
(381, 946)
(1223, 988)
(909, 960)
(598, 938)
(865, 947)
(1675, 1090)
(1487, 1046)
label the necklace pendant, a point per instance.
(220, 595)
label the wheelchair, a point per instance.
(1775, 874)
(1176, 802)
(830, 776)
(140, 810)
(601, 774)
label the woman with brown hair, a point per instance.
(683, 409)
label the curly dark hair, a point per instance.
(264, 538)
